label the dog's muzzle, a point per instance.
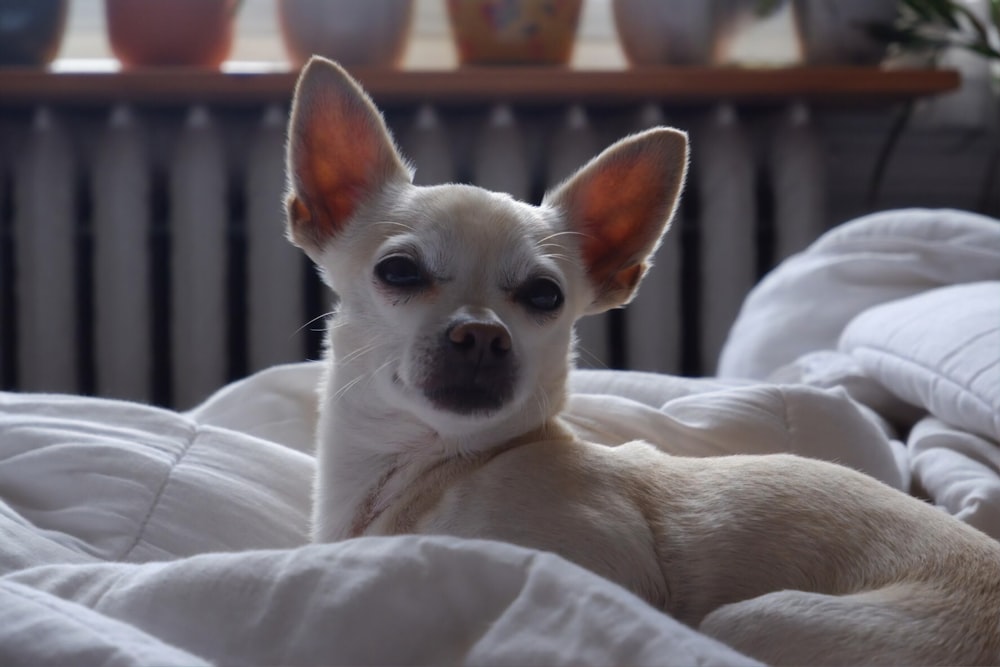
(472, 369)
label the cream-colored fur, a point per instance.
(450, 350)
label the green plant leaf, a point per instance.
(919, 10)
(981, 30)
(939, 10)
(766, 8)
(934, 25)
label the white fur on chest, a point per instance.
(366, 456)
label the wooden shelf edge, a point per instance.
(677, 86)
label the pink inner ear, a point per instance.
(618, 207)
(337, 167)
(340, 152)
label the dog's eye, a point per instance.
(541, 294)
(401, 272)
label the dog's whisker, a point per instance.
(381, 368)
(358, 353)
(396, 223)
(353, 383)
(552, 248)
(591, 357)
(312, 321)
(339, 394)
(542, 401)
(557, 235)
(370, 377)
(566, 258)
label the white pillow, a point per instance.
(959, 472)
(753, 419)
(939, 350)
(803, 305)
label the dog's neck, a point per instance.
(371, 452)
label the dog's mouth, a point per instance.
(472, 389)
(467, 400)
(463, 398)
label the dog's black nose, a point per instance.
(477, 338)
(474, 368)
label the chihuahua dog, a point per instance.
(440, 414)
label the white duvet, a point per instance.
(134, 535)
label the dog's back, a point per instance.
(750, 549)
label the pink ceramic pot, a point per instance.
(146, 33)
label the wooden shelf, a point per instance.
(673, 86)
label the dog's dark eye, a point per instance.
(541, 294)
(401, 272)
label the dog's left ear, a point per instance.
(620, 204)
(340, 154)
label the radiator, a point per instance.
(142, 253)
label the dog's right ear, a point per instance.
(620, 204)
(340, 153)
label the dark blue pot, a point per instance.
(31, 31)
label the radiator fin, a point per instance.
(46, 270)
(121, 184)
(198, 223)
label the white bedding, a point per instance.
(134, 535)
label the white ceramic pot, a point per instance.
(514, 32)
(352, 32)
(680, 32)
(832, 32)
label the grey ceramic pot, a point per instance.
(679, 32)
(373, 32)
(833, 32)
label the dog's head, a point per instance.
(457, 304)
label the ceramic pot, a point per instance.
(832, 32)
(372, 32)
(146, 33)
(31, 31)
(514, 32)
(680, 32)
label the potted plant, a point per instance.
(835, 32)
(923, 30)
(514, 32)
(680, 32)
(196, 33)
(373, 32)
(31, 31)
